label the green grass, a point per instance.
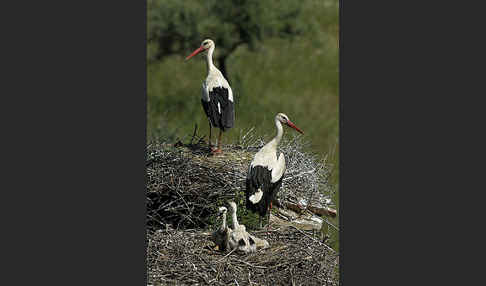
(299, 78)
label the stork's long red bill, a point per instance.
(290, 124)
(197, 51)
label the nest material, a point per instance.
(185, 188)
(186, 185)
(187, 258)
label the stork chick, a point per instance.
(239, 238)
(221, 236)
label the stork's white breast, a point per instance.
(268, 158)
(215, 79)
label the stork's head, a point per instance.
(205, 45)
(284, 119)
(222, 210)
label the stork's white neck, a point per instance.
(276, 140)
(223, 226)
(209, 59)
(235, 219)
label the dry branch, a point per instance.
(317, 210)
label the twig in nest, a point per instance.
(194, 134)
(227, 255)
(298, 175)
(249, 264)
(314, 239)
(328, 223)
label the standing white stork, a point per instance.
(266, 171)
(217, 96)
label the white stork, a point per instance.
(266, 171)
(239, 238)
(221, 236)
(217, 96)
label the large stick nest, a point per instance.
(186, 185)
(186, 258)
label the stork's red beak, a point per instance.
(197, 51)
(290, 124)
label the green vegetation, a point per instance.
(270, 71)
(174, 26)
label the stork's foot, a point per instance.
(269, 228)
(216, 151)
(213, 149)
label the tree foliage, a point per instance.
(178, 27)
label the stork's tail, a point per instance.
(256, 197)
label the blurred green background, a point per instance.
(278, 56)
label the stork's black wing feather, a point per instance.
(260, 177)
(224, 116)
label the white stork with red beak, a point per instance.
(266, 172)
(217, 96)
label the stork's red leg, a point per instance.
(218, 149)
(209, 141)
(269, 212)
(219, 138)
